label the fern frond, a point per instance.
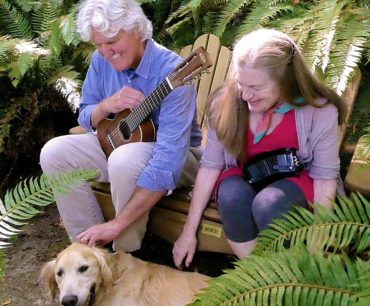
(6, 46)
(66, 81)
(348, 49)
(6, 117)
(178, 25)
(45, 12)
(16, 25)
(25, 5)
(295, 277)
(20, 203)
(55, 41)
(20, 67)
(18, 57)
(87, 51)
(364, 294)
(68, 28)
(261, 16)
(323, 33)
(298, 27)
(219, 20)
(181, 12)
(347, 226)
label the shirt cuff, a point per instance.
(156, 180)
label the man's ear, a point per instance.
(47, 278)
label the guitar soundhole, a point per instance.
(125, 130)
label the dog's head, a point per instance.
(77, 274)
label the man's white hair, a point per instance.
(108, 17)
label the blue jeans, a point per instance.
(245, 212)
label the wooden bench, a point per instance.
(358, 173)
(168, 216)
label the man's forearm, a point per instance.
(98, 114)
(140, 203)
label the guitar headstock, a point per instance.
(196, 63)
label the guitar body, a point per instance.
(111, 136)
(133, 126)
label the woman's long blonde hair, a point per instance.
(277, 54)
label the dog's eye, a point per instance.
(83, 268)
(60, 272)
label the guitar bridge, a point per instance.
(110, 141)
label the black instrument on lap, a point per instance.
(269, 167)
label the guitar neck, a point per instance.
(139, 114)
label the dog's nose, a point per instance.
(69, 300)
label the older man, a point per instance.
(126, 67)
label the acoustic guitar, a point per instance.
(135, 125)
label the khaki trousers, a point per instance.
(79, 208)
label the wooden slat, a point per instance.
(105, 202)
(102, 187)
(204, 87)
(221, 68)
(185, 52)
(201, 41)
(211, 214)
(358, 174)
(168, 224)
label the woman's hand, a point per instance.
(184, 248)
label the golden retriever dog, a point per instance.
(85, 276)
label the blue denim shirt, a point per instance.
(174, 118)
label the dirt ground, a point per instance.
(44, 238)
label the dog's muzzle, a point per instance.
(71, 300)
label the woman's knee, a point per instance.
(233, 191)
(275, 200)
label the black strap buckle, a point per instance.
(268, 167)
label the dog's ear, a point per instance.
(107, 270)
(47, 278)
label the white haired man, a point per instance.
(125, 68)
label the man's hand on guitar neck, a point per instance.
(125, 98)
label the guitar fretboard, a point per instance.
(139, 114)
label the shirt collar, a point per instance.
(144, 67)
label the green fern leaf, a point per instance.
(347, 227)
(21, 201)
(45, 13)
(183, 11)
(19, 68)
(261, 16)
(218, 21)
(295, 277)
(178, 26)
(68, 28)
(347, 51)
(25, 5)
(323, 33)
(16, 25)
(56, 40)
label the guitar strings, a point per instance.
(147, 105)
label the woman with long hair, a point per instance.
(272, 143)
